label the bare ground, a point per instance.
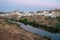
(13, 32)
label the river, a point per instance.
(54, 36)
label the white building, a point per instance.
(19, 14)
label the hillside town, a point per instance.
(29, 19)
(48, 21)
(50, 13)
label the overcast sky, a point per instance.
(28, 5)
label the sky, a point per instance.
(28, 5)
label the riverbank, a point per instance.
(10, 31)
(39, 26)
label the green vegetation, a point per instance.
(23, 21)
(49, 38)
(7, 20)
(57, 25)
(58, 19)
(34, 24)
(12, 19)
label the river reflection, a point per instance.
(40, 32)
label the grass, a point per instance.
(34, 24)
(7, 20)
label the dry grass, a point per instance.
(12, 32)
(42, 20)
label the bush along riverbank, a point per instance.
(11, 22)
(10, 31)
(34, 24)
